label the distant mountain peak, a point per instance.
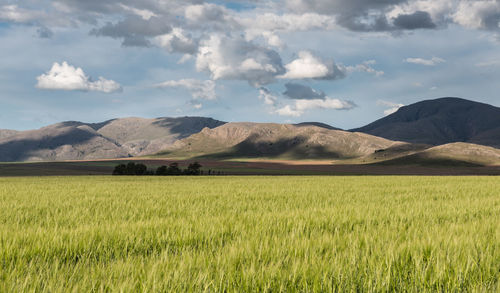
(440, 121)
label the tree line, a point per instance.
(173, 169)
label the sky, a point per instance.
(341, 62)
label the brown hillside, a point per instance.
(249, 140)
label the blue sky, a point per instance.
(349, 62)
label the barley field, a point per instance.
(247, 234)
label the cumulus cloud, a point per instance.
(481, 14)
(207, 13)
(426, 62)
(237, 59)
(66, 77)
(306, 98)
(134, 30)
(392, 107)
(177, 41)
(308, 66)
(289, 111)
(199, 89)
(301, 106)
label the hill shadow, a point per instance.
(421, 160)
(293, 148)
(186, 126)
(317, 124)
(21, 149)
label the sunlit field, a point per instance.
(242, 234)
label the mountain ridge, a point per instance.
(411, 130)
(440, 121)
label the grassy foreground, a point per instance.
(242, 234)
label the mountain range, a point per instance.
(446, 129)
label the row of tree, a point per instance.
(171, 170)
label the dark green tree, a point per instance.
(193, 169)
(120, 170)
(130, 168)
(173, 169)
(141, 169)
(162, 171)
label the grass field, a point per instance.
(242, 234)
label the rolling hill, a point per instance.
(440, 121)
(86, 141)
(140, 136)
(4, 133)
(284, 141)
(449, 155)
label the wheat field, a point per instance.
(247, 234)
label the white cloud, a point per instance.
(481, 14)
(392, 107)
(491, 63)
(288, 22)
(199, 89)
(185, 58)
(364, 67)
(273, 40)
(268, 25)
(301, 106)
(177, 41)
(289, 111)
(237, 59)
(268, 98)
(426, 62)
(144, 13)
(66, 77)
(210, 16)
(16, 14)
(327, 103)
(309, 66)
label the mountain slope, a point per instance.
(141, 136)
(4, 133)
(440, 121)
(254, 140)
(62, 141)
(111, 139)
(452, 154)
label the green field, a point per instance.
(243, 234)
